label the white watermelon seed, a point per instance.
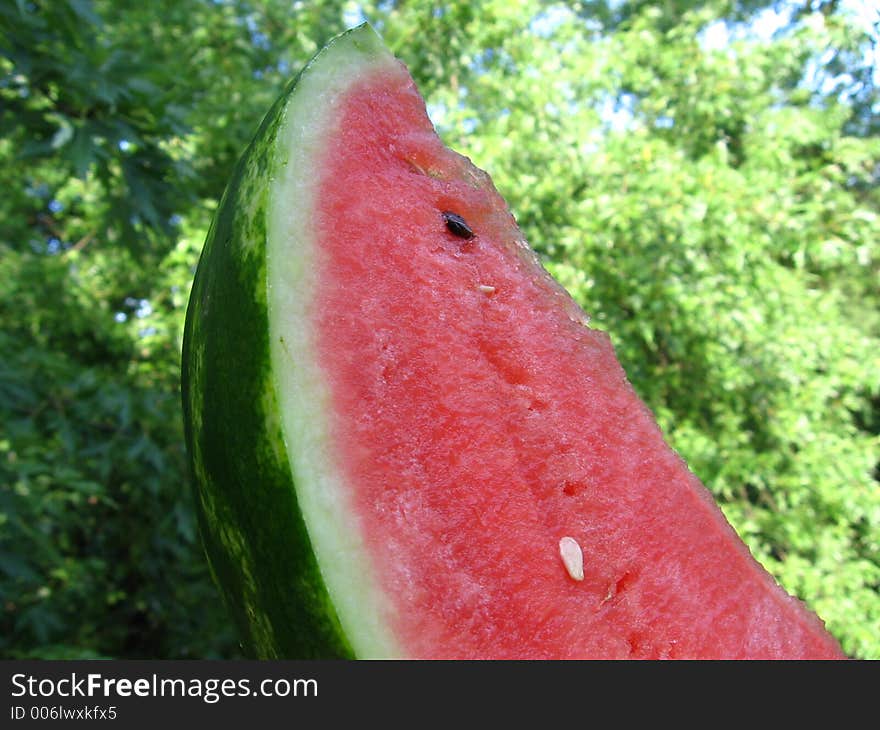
(572, 557)
(486, 289)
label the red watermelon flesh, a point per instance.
(477, 421)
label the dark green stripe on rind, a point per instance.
(252, 528)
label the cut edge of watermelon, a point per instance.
(310, 119)
(333, 527)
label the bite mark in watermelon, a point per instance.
(405, 438)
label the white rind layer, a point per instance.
(334, 529)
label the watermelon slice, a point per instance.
(405, 439)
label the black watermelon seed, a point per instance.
(457, 225)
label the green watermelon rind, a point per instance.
(246, 496)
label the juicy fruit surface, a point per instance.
(477, 421)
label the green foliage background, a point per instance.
(713, 206)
